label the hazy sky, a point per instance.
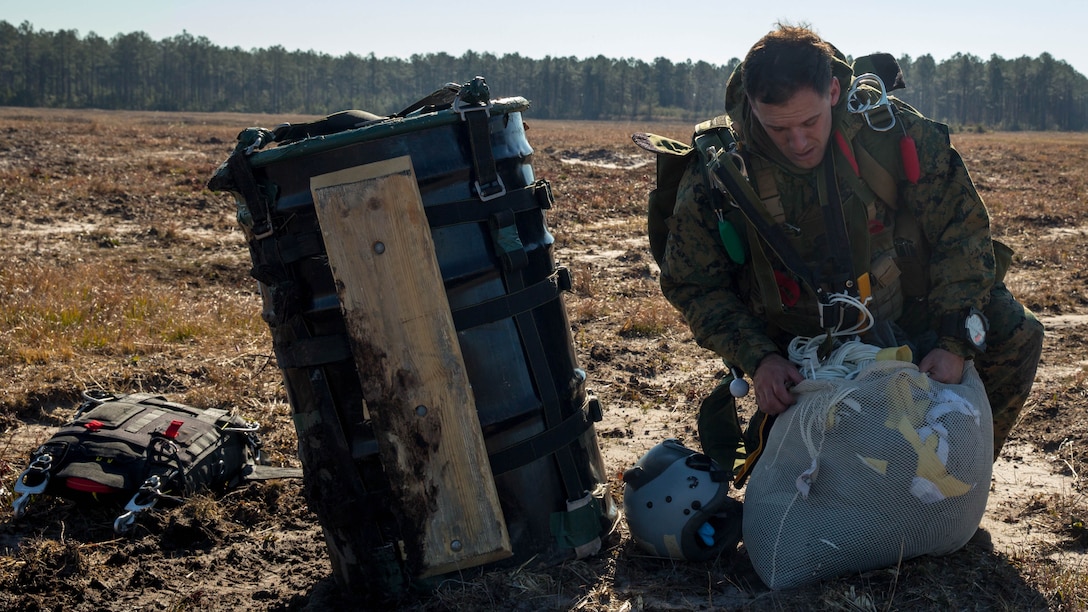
(642, 29)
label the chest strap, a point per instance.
(725, 172)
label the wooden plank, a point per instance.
(410, 365)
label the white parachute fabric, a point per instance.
(861, 473)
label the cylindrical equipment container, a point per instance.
(486, 213)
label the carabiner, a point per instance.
(39, 466)
(92, 398)
(860, 102)
(124, 522)
(145, 498)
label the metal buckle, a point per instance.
(249, 432)
(485, 196)
(38, 465)
(716, 155)
(145, 498)
(475, 97)
(92, 398)
(264, 234)
(831, 316)
(464, 108)
(716, 160)
(861, 102)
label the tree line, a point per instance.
(189, 73)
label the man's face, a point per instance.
(800, 127)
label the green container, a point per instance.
(486, 212)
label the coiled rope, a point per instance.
(847, 357)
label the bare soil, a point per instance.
(119, 198)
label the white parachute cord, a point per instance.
(847, 358)
(814, 417)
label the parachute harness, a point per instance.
(846, 358)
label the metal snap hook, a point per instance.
(860, 100)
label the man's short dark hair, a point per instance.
(784, 61)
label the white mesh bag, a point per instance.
(861, 473)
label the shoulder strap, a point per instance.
(879, 180)
(768, 189)
(724, 171)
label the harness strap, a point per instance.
(725, 175)
(860, 186)
(551, 440)
(911, 247)
(769, 292)
(877, 178)
(768, 190)
(511, 252)
(841, 263)
(537, 195)
(515, 303)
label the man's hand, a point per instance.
(942, 366)
(772, 380)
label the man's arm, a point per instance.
(956, 224)
(700, 280)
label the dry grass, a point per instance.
(52, 314)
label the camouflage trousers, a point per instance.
(1007, 369)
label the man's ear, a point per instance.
(835, 90)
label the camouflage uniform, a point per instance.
(729, 314)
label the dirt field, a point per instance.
(120, 271)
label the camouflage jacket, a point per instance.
(720, 299)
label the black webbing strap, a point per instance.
(488, 184)
(508, 246)
(840, 265)
(312, 352)
(551, 440)
(537, 195)
(838, 251)
(438, 99)
(331, 124)
(511, 304)
(727, 177)
(296, 246)
(504, 233)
